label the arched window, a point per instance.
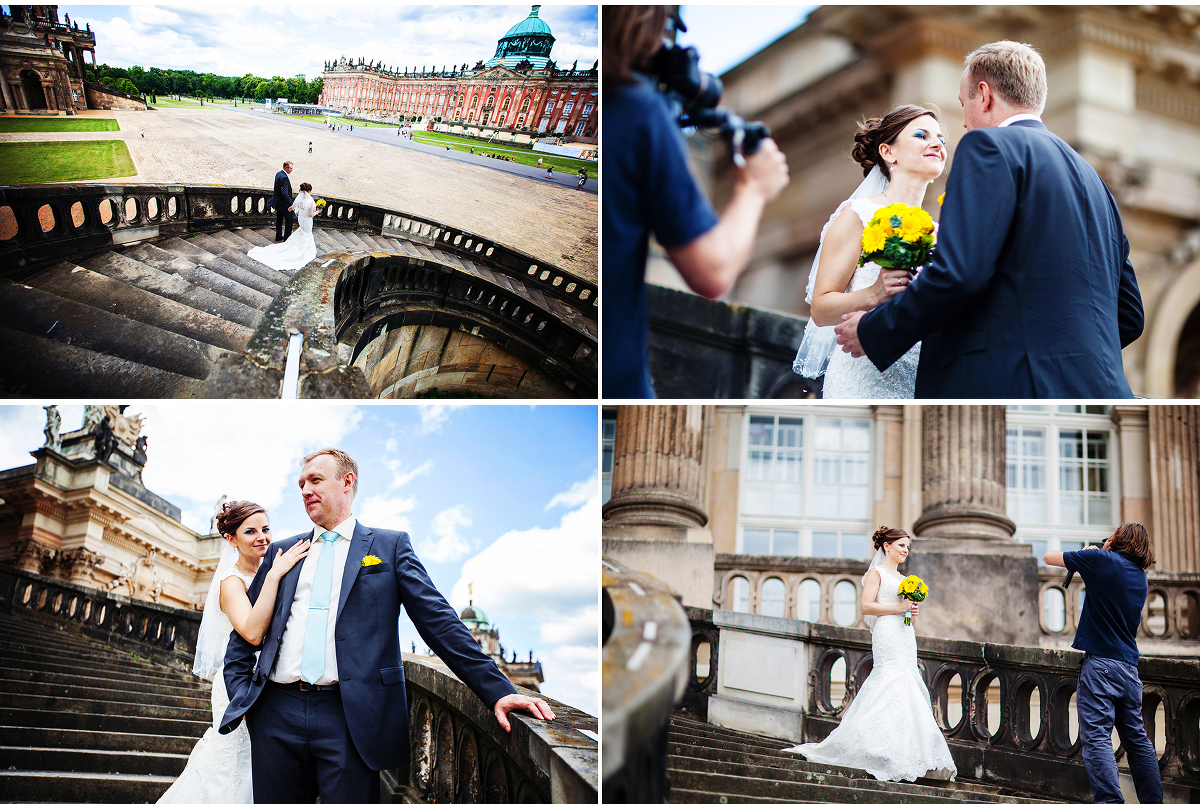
(808, 601)
(740, 594)
(1054, 609)
(474, 101)
(845, 602)
(525, 105)
(504, 108)
(773, 598)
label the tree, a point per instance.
(126, 86)
(315, 87)
(248, 84)
(262, 90)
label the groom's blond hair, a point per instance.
(344, 464)
(1014, 71)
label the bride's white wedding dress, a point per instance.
(298, 250)
(218, 771)
(888, 730)
(849, 377)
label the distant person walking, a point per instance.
(143, 133)
(550, 172)
(310, 146)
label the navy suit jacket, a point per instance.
(1030, 293)
(367, 643)
(282, 197)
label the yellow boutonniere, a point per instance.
(941, 198)
(370, 561)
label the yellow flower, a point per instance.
(370, 561)
(874, 237)
(941, 198)
(911, 227)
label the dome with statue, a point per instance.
(474, 618)
(529, 40)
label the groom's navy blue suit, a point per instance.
(1030, 293)
(367, 644)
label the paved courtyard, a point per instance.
(225, 146)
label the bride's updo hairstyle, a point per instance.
(886, 535)
(884, 130)
(306, 187)
(233, 514)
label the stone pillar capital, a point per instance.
(657, 477)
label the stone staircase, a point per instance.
(710, 765)
(149, 320)
(82, 721)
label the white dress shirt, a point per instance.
(1016, 118)
(291, 650)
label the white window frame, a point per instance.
(1053, 421)
(803, 521)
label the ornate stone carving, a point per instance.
(657, 477)
(78, 565)
(31, 555)
(53, 427)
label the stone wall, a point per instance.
(101, 97)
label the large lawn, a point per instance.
(42, 162)
(515, 152)
(345, 121)
(166, 102)
(20, 125)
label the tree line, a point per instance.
(140, 81)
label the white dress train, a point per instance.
(888, 730)
(849, 377)
(298, 250)
(218, 770)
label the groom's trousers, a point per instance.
(1110, 693)
(283, 222)
(300, 747)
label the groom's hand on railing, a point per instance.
(510, 703)
(847, 333)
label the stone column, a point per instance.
(1175, 486)
(655, 520)
(9, 105)
(983, 585)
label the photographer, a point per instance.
(649, 190)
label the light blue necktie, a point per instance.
(312, 660)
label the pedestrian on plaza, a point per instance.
(550, 171)
(310, 146)
(539, 161)
(143, 133)
(1109, 690)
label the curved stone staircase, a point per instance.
(149, 320)
(81, 721)
(707, 764)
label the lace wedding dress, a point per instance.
(218, 771)
(888, 730)
(849, 377)
(298, 250)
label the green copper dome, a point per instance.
(529, 40)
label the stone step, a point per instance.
(138, 274)
(117, 724)
(93, 788)
(66, 651)
(117, 681)
(340, 240)
(91, 760)
(688, 796)
(171, 263)
(325, 244)
(80, 690)
(99, 740)
(376, 242)
(830, 790)
(233, 248)
(255, 237)
(191, 251)
(97, 290)
(86, 706)
(43, 368)
(30, 661)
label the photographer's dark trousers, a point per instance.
(283, 222)
(1110, 693)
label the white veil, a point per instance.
(819, 342)
(869, 619)
(214, 626)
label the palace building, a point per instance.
(519, 89)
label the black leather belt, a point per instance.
(304, 686)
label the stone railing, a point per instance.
(1007, 711)
(1170, 617)
(165, 634)
(645, 667)
(460, 753)
(826, 587)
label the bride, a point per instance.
(900, 154)
(298, 250)
(218, 771)
(888, 730)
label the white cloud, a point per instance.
(387, 512)
(576, 495)
(401, 476)
(21, 433)
(576, 676)
(449, 544)
(434, 417)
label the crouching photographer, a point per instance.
(648, 188)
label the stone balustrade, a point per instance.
(1007, 711)
(461, 754)
(166, 634)
(645, 666)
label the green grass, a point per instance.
(515, 153)
(165, 102)
(345, 121)
(18, 125)
(42, 162)
(312, 118)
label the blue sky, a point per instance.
(726, 35)
(298, 39)
(501, 496)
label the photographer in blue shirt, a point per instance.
(648, 189)
(1110, 691)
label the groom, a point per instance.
(281, 201)
(1030, 293)
(325, 703)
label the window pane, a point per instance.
(609, 426)
(787, 500)
(1040, 546)
(824, 545)
(759, 467)
(827, 469)
(606, 489)
(808, 601)
(1097, 446)
(790, 432)
(1034, 509)
(845, 603)
(1054, 606)
(1070, 477)
(787, 467)
(1097, 478)
(825, 501)
(1070, 509)
(1069, 408)
(1099, 510)
(1100, 409)
(758, 499)
(855, 503)
(608, 458)
(856, 436)
(1070, 546)
(762, 430)
(741, 595)
(772, 598)
(786, 543)
(1070, 444)
(854, 545)
(1033, 442)
(756, 541)
(828, 434)
(856, 470)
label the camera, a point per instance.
(676, 72)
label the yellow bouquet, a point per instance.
(913, 588)
(321, 203)
(898, 236)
